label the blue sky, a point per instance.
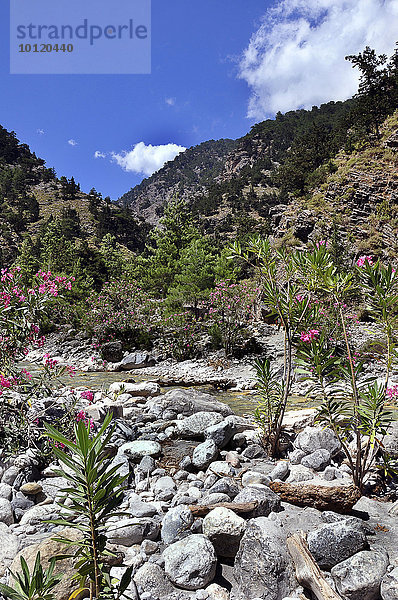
(218, 66)
(193, 46)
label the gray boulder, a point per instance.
(191, 563)
(164, 484)
(193, 427)
(20, 504)
(147, 464)
(8, 548)
(204, 454)
(215, 498)
(187, 402)
(359, 577)
(137, 360)
(390, 441)
(389, 585)
(139, 448)
(317, 438)
(37, 514)
(267, 500)
(280, 471)
(5, 491)
(151, 578)
(140, 509)
(224, 529)
(221, 433)
(112, 352)
(225, 485)
(52, 487)
(10, 475)
(299, 473)
(128, 532)
(296, 456)
(317, 460)
(332, 543)
(254, 451)
(262, 567)
(176, 524)
(144, 388)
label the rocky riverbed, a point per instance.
(183, 449)
(213, 369)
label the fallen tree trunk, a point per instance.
(200, 510)
(338, 499)
(308, 573)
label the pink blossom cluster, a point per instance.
(71, 370)
(6, 383)
(82, 416)
(392, 392)
(362, 259)
(309, 336)
(51, 363)
(321, 243)
(233, 300)
(121, 307)
(87, 395)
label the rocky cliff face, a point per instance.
(189, 175)
(360, 200)
(357, 201)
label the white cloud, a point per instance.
(72, 142)
(99, 154)
(40, 131)
(147, 159)
(296, 58)
(170, 101)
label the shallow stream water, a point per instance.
(243, 402)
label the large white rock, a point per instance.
(359, 577)
(191, 563)
(193, 427)
(144, 388)
(6, 515)
(389, 585)
(204, 454)
(8, 548)
(224, 529)
(317, 438)
(139, 448)
(187, 402)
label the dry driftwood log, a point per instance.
(339, 499)
(200, 510)
(308, 573)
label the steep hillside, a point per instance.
(234, 185)
(188, 174)
(358, 202)
(31, 196)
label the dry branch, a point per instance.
(339, 499)
(308, 573)
(200, 510)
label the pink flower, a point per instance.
(88, 395)
(82, 416)
(362, 259)
(309, 336)
(392, 392)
